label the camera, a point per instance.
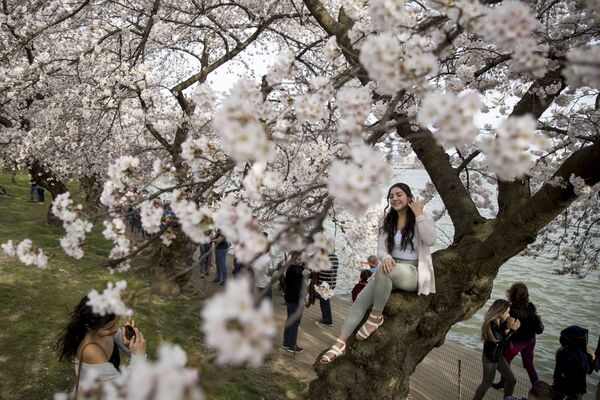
(129, 332)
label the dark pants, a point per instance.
(326, 310)
(237, 266)
(526, 349)
(221, 260)
(290, 333)
(489, 372)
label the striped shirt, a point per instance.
(330, 276)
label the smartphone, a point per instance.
(129, 332)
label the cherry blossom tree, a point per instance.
(119, 95)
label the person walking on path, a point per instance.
(221, 249)
(294, 282)
(403, 246)
(523, 341)
(496, 331)
(329, 276)
(574, 360)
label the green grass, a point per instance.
(34, 306)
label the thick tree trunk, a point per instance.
(381, 366)
(92, 190)
(171, 262)
(46, 179)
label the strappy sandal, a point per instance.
(363, 333)
(335, 351)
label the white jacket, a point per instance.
(425, 237)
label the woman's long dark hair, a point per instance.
(82, 319)
(390, 222)
(518, 295)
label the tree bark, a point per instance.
(171, 262)
(92, 190)
(46, 179)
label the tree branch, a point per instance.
(460, 206)
(512, 195)
(519, 228)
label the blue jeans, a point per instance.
(326, 310)
(221, 256)
(204, 249)
(290, 333)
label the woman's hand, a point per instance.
(516, 325)
(387, 265)
(137, 344)
(416, 205)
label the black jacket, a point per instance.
(572, 363)
(529, 322)
(493, 350)
(293, 283)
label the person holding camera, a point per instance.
(93, 343)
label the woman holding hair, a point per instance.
(496, 331)
(93, 342)
(403, 246)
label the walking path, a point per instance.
(436, 377)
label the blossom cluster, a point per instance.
(109, 301)
(256, 178)
(318, 253)
(508, 24)
(239, 331)
(387, 15)
(325, 291)
(25, 251)
(583, 68)
(76, 228)
(238, 123)
(240, 227)
(451, 117)
(119, 173)
(167, 378)
(204, 97)
(151, 213)
(506, 154)
(115, 230)
(394, 66)
(356, 184)
(192, 149)
(282, 68)
(310, 107)
(195, 221)
(354, 105)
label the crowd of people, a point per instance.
(403, 261)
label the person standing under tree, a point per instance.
(294, 282)
(329, 276)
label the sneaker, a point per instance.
(295, 349)
(321, 322)
(498, 385)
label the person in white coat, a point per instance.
(404, 239)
